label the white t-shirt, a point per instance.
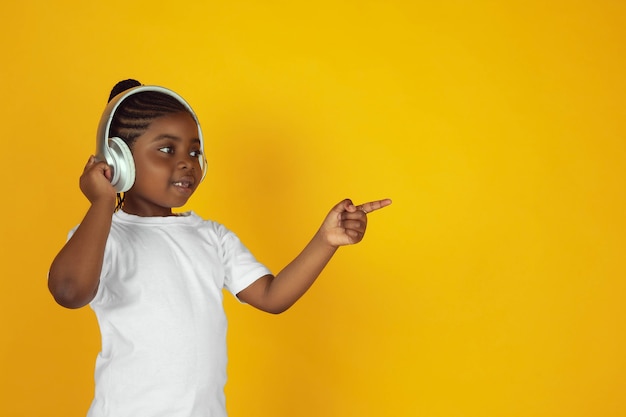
(159, 307)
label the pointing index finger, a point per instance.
(374, 205)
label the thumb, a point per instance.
(345, 205)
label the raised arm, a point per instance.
(75, 272)
(344, 225)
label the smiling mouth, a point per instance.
(183, 184)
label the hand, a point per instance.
(346, 223)
(95, 182)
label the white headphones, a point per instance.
(114, 150)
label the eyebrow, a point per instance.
(166, 136)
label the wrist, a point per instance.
(323, 241)
(107, 202)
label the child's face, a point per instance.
(167, 163)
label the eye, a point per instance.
(166, 149)
(196, 154)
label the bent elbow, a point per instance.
(277, 309)
(66, 294)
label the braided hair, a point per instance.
(134, 115)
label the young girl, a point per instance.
(155, 278)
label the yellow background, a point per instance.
(493, 286)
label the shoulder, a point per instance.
(207, 225)
(207, 228)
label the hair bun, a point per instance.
(123, 86)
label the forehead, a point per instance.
(180, 124)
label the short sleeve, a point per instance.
(241, 267)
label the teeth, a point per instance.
(181, 184)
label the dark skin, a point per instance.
(167, 173)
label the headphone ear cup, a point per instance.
(121, 161)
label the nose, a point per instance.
(186, 162)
